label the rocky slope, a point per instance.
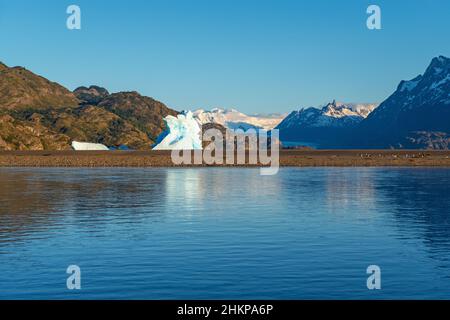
(144, 113)
(416, 115)
(36, 114)
(30, 135)
(21, 89)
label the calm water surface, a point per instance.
(225, 233)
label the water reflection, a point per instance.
(353, 191)
(22, 205)
(193, 188)
(209, 232)
(420, 203)
(34, 201)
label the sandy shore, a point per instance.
(295, 158)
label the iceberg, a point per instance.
(183, 133)
(86, 146)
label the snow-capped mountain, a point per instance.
(321, 125)
(233, 119)
(333, 114)
(416, 112)
(416, 115)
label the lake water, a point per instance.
(217, 233)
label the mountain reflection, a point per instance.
(193, 233)
(192, 189)
(22, 205)
(40, 202)
(350, 189)
(36, 200)
(420, 202)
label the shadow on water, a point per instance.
(35, 201)
(420, 202)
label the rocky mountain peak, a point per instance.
(439, 68)
(92, 95)
(440, 62)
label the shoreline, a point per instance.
(288, 158)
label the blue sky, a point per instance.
(258, 56)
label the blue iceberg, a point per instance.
(183, 133)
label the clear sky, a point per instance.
(258, 56)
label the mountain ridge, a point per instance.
(416, 115)
(38, 114)
(323, 126)
(421, 104)
(234, 119)
(21, 88)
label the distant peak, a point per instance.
(126, 94)
(443, 59)
(438, 64)
(92, 88)
(92, 95)
(334, 104)
(3, 66)
(95, 87)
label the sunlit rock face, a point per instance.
(183, 133)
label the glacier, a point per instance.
(183, 133)
(233, 119)
(86, 146)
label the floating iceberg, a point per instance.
(86, 146)
(183, 133)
